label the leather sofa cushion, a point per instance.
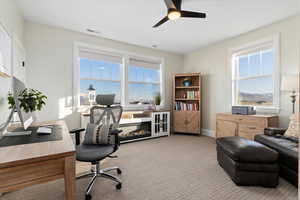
(287, 149)
(248, 151)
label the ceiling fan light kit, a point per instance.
(175, 12)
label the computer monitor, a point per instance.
(26, 118)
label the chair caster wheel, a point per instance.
(119, 171)
(119, 186)
(88, 197)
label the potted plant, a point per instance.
(157, 100)
(31, 100)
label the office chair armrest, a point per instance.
(77, 130)
(116, 133)
(77, 134)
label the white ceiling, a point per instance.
(131, 21)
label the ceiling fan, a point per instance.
(175, 12)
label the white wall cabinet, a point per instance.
(160, 124)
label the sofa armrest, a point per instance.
(274, 131)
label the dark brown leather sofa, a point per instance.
(287, 148)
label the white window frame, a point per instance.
(272, 41)
(77, 46)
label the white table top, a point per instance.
(135, 120)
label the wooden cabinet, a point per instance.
(187, 103)
(186, 122)
(193, 122)
(179, 121)
(226, 128)
(246, 126)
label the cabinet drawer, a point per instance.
(247, 135)
(227, 117)
(253, 122)
(249, 131)
(250, 128)
(245, 119)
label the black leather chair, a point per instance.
(96, 152)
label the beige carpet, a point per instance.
(174, 168)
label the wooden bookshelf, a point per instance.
(186, 87)
(187, 104)
(185, 99)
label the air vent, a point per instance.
(93, 31)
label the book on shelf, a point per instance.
(186, 106)
(192, 94)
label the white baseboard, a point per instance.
(208, 132)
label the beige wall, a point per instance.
(11, 18)
(50, 62)
(12, 21)
(212, 62)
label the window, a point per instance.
(135, 80)
(102, 72)
(143, 81)
(255, 75)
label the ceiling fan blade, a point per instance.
(161, 22)
(170, 4)
(192, 14)
(177, 4)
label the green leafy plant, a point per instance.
(30, 100)
(157, 99)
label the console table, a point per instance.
(140, 125)
(246, 126)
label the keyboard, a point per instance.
(47, 130)
(18, 133)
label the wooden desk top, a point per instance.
(12, 155)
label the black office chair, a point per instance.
(94, 153)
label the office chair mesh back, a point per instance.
(109, 118)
